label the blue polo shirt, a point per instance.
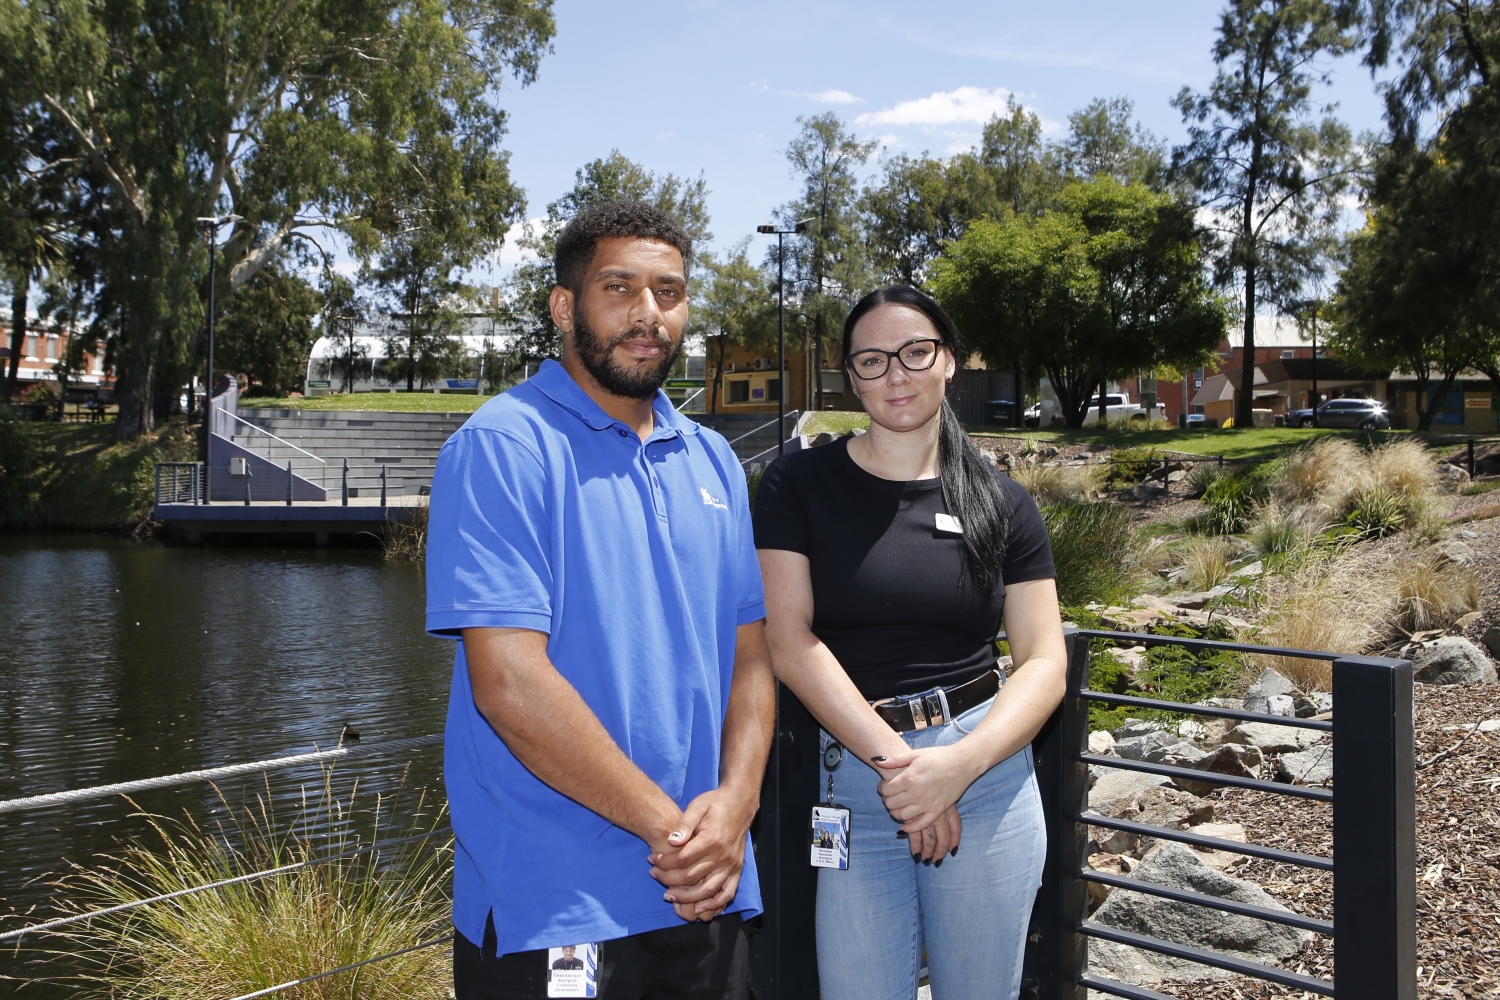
(638, 561)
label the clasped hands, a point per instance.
(921, 789)
(700, 860)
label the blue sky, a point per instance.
(716, 88)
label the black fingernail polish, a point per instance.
(927, 862)
(938, 863)
(877, 759)
(915, 858)
(953, 853)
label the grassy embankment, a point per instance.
(75, 476)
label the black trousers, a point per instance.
(689, 962)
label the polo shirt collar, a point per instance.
(554, 382)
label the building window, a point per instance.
(51, 348)
(773, 390)
(832, 380)
(1288, 352)
(737, 391)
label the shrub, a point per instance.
(1434, 593)
(1206, 562)
(1231, 502)
(1201, 476)
(1277, 532)
(1325, 473)
(1377, 511)
(1131, 466)
(260, 932)
(407, 539)
(1334, 607)
(1050, 484)
(1406, 467)
(1091, 549)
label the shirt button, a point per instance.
(624, 434)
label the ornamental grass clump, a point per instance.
(310, 917)
(1324, 474)
(1206, 563)
(1050, 484)
(1434, 593)
(1093, 549)
(1326, 607)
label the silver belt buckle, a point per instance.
(937, 707)
(918, 715)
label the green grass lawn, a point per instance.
(1255, 442)
(384, 402)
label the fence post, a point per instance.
(200, 482)
(248, 474)
(288, 482)
(1056, 954)
(158, 482)
(1374, 829)
(1471, 458)
(345, 487)
(382, 484)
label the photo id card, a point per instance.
(573, 970)
(830, 837)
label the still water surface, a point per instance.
(121, 660)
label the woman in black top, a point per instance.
(890, 561)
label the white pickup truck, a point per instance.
(1117, 406)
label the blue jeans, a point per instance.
(971, 913)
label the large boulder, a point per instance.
(1492, 640)
(1451, 478)
(1310, 767)
(1269, 738)
(1270, 684)
(1453, 660)
(1154, 746)
(1175, 865)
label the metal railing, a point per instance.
(179, 482)
(226, 422)
(42, 928)
(1374, 833)
(757, 429)
(1374, 837)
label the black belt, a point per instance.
(920, 711)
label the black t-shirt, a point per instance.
(891, 599)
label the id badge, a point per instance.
(573, 970)
(830, 837)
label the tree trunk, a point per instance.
(22, 292)
(1246, 401)
(1103, 404)
(1426, 415)
(818, 365)
(135, 390)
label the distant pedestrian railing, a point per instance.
(179, 482)
(1374, 834)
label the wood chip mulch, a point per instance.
(1458, 857)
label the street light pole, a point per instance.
(781, 379)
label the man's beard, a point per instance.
(634, 382)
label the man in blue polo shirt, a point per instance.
(612, 698)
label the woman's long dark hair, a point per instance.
(969, 486)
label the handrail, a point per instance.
(768, 423)
(256, 427)
(694, 396)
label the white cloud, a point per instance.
(511, 254)
(834, 97)
(963, 105)
(758, 86)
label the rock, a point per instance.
(1114, 785)
(1114, 864)
(1177, 475)
(1048, 452)
(1251, 569)
(1237, 704)
(1149, 490)
(1177, 866)
(1269, 684)
(1195, 600)
(1153, 746)
(1492, 639)
(1100, 741)
(1163, 806)
(1220, 860)
(1464, 621)
(1453, 660)
(1457, 553)
(1486, 726)
(1006, 459)
(1451, 478)
(1135, 727)
(1230, 758)
(1268, 738)
(1190, 730)
(1310, 767)
(1283, 705)
(1465, 533)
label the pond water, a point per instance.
(123, 660)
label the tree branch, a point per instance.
(102, 159)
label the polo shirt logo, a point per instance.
(710, 500)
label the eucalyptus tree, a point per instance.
(1269, 166)
(609, 178)
(733, 303)
(827, 267)
(1104, 140)
(293, 114)
(916, 206)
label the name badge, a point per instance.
(573, 970)
(948, 524)
(830, 837)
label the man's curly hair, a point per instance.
(609, 220)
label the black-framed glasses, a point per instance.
(915, 356)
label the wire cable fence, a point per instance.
(55, 799)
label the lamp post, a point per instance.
(797, 229)
(210, 225)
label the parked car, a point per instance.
(1366, 414)
(1196, 422)
(1119, 407)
